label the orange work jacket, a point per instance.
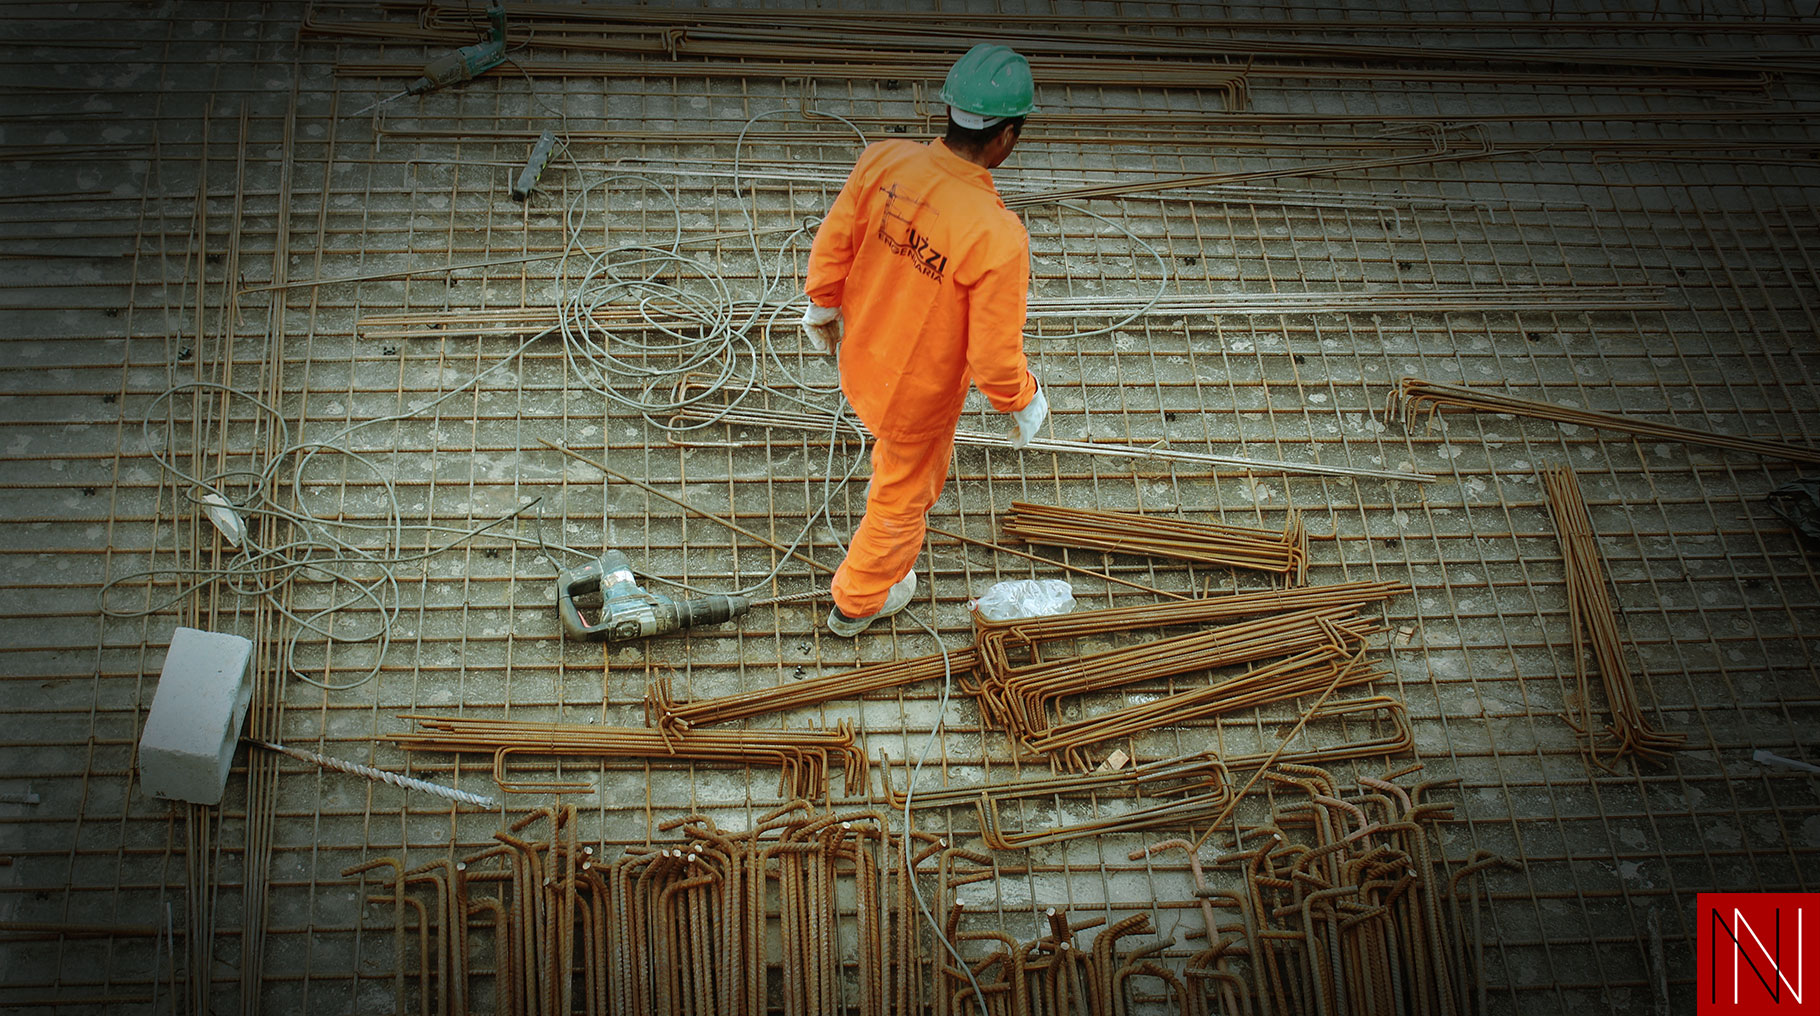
(930, 270)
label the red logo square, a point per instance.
(1753, 953)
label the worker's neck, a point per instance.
(978, 158)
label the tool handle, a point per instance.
(573, 582)
(713, 609)
(540, 157)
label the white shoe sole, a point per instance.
(902, 592)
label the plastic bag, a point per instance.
(1798, 503)
(1019, 598)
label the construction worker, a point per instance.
(918, 277)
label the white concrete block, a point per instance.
(188, 743)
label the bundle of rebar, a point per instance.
(1284, 553)
(1342, 905)
(995, 639)
(1328, 666)
(1589, 606)
(1171, 793)
(1026, 701)
(1054, 975)
(1019, 689)
(1414, 397)
(804, 756)
(1051, 976)
(812, 911)
(805, 915)
(1180, 792)
(665, 713)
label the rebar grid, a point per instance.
(1637, 188)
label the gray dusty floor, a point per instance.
(189, 203)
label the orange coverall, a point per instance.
(930, 270)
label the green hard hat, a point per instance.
(990, 81)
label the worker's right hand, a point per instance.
(1029, 419)
(823, 327)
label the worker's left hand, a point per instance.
(823, 326)
(1029, 419)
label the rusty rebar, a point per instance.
(1415, 397)
(1594, 619)
(665, 713)
(803, 756)
(1284, 553)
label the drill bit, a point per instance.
(373, 106)
(378, 775)
(791, 598)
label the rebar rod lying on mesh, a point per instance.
(1161, 813)
(803, 755)
(1401, 738)
(1284, 553)
(1415, 397)
(1427, 299)
(664, 712)
(1592, 616)
(1079, 50)
(826, 423)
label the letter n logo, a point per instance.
(1753, 953)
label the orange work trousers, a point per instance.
(907, 477)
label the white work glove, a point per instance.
(1029, 419)
(822, 325)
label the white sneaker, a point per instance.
(897, 599)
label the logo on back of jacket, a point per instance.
(901, 235)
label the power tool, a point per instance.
(461, 65)
(627, 611)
